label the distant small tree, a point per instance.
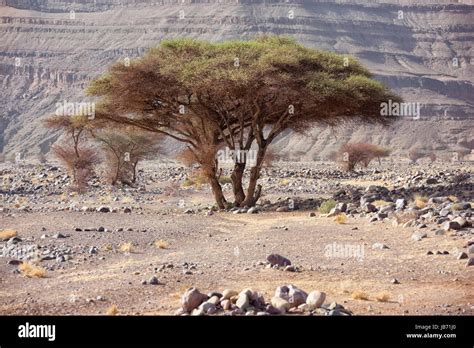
(415, 154)
(432, 157)
(73, 151)
(123, 149)
(351, 155)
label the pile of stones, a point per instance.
(288, 299)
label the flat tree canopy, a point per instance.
(239, 94)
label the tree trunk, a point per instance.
(217, 191)
(254, 191)
(237, 177)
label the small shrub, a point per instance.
(420, 201)
(360, 295)
(326, 206)
(383, 297)
(340, 219)
(7, 234)
(351, 155)
(161, 244)
(188, 182)
(112, 310)
(225, 180)
(126, 248)
(31, 271)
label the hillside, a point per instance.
(59, 51)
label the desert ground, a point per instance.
(136, 251)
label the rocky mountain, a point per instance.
(423, 49)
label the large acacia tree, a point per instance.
(240, 94)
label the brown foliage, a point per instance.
(79, 161)
(353, 154)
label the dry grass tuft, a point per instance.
(31, 271)
(380, 203)
(7, 234)
(360, 295)
(126, 248)
(112, 310)
(161, 244)
(340, 219)
(383, 297)
(420, 201)
(453, 198)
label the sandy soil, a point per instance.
(226, 249)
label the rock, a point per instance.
(154, 281)
(400, 203)
(369, 208)
(227, 294)
(58, 236)
(470, 262)
(214, 300)
(379, 246)
(429, 253)
(208, 308)
(272, 310)
(280, 304)
(470, 249)
(451, 225)
(312, 214)
(103, 209)
(214, 293)
(444, 212)
(462, 255)
(394, 281)
(93, 250)
(127, 210)
(431, 181)
(296, 296)
(333, 212)
(243, 301)
(440, 232)
(342, 207)
(417, 236)
(226, 304)
(14, 262)
(315, 299)
(191, 299)
(461, 221)
(279, 260)
(290, 269)
(252, 210)
(283, 209)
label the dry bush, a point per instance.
(171, 189)
(161, 244)
(79, 162)
(360, 295)
(123, 149)
(126, 248)
(326, 206)
(340, 219)
(351, 155)
(186, 157)
(112, 310)
(383, 297)
(31, 271)
(415, 154)
(420, 201)
(7, 234)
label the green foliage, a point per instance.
(326, 206)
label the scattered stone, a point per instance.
(417, 236)
(279, 260)
(315, 299)
(103, 209)
(153, 281)
(280, 304)
(191, 299)
(394, 281)
(462, 255)
(379, 246)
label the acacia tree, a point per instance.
(237, 94)
(73, 150)
(123, 149)
(353, 154)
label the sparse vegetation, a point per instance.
(360, 295)
(126, 247)
(326, 206)
(161, 244)
(340, 219)
(351, 155)
(420, 201)
(7, 234)
(31, 271)
(112, 310)
(383, 297)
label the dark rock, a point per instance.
(279, 260)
